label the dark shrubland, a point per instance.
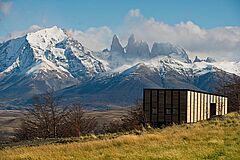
(133, 120)
(46, 119)
(77, 124)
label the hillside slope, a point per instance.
(218, 138)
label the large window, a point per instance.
(154, 106)
(147, 104)
(168, 111)
(161, 106)
(175, 111)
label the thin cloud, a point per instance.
(17, 34)
(93, 38)
(134, 13)
(5, 6)
(221, 43)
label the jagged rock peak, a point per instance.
(116, 45)
(105, 50)
(135, 49)
(210, 60)
(168, 49)
(197, 59)
(131, 39)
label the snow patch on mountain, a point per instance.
(168, 49)
(231, 67)
(46, 38)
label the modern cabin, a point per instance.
(168, 106)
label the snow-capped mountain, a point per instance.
(126, 86)
(48, 50)
(168, 49)
(51, 58)
(48, 58)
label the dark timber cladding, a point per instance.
(166, 106)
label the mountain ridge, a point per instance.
(51, 58)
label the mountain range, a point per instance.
(52, 59)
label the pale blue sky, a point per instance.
(81, 15)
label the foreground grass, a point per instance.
(215, 139)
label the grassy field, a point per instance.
(218, 138)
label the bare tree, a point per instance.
(43, 119)
(46, 119)
(77, 123)
(134, 119)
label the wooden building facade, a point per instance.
(166, 106)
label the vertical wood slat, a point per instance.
(200, 106)
(226, 105)
(151, 106)
(217, 104)
(188, 107)
(165, 106)
(196, 107)
(223, 102)
(209, 101)
(179, 107)
(222, 105)
(192, 106)
(205, 106)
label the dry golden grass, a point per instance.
(215, 139)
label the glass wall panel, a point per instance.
(175, 107)
(154, 105)
(161, 105)
(168, 99)
(147, 101)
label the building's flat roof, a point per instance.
(185, 90)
